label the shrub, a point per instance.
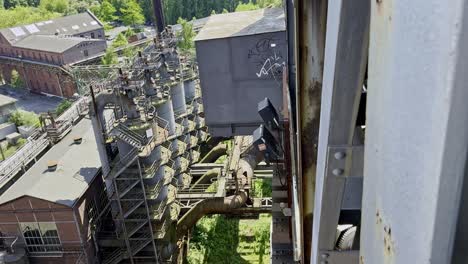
(24, 118)
(62, 107)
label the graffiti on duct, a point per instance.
(268, 58)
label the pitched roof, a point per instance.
(51, 43)
(78, 165)
(243, 24)
(67, 25)
(6, 100)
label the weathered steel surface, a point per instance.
(417, 132)
(344, 70)
(311, 19)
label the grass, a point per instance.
(218, 239)
(21, 117)
(262, 187)
(11, 149)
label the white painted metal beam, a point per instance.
(417, 130)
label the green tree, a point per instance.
(225, 11)
(24, 15)
(120, 41)
(269, 3)
(110, 57)
(246, 7)
(130, 52)
(14, 3)
(148, 12)
(186, 35)
(129, 32)
(107, 11)
(59, 6)
(213, 12)
(132, 14)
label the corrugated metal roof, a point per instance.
(51, 43)
(6, 100)
(67, 25)
(78, 165)
(243, 24)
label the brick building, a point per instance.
(47, 216)
(40, 52)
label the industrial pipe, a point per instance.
(206, 178)
(214, 154)
(224, 205)
(216, 205)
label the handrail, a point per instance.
(36, 143)
(125, 161)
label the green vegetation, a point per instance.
(187, 9)
(120, 41)
(218, 239)
(246, 7)
(110, 57)
(257, 4)
(16, 80)
(63, 106)
(129, 32)
(129, 12)
(262, 188)
(24, 118)
(11, 149)
(55, 6)
(106, 12)
(221, 159)
(186, 36)
(132, 14)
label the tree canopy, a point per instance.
(110, 57)
(185, 36)
(57, 6)
(107, 11)
(132, 14)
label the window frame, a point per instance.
(43, 239)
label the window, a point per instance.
(85, 52)
(92, 35)
(41, 237)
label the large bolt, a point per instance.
(324, 258)
(337, 172)
(340, 155)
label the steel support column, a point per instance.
(310, 26)
(344, 70)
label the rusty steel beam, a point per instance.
(311, 17)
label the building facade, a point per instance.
(40, 52)
(48, 215)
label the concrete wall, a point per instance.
(5, 112)
(235, 74)
(6, 129)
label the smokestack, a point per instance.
(159, 14)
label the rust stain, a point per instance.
(385, 231)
